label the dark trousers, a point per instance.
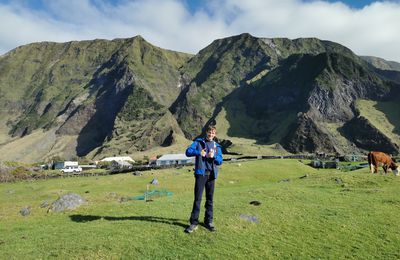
(202, 182)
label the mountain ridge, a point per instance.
(127, 96)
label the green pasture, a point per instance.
(327, 214)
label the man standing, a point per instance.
(208, 156)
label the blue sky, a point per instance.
(366, 27)
(196, 4)
(192, 5)
(355, 3)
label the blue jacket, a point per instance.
(195, 150)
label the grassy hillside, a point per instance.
(77, 89)
(382, 63)
(329, 215)
(39, 146)
(383, 115)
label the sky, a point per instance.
(367, 27)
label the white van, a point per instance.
(68, 169)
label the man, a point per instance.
(208, 156)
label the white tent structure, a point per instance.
(118, 159)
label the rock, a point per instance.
(137, 173)
(25, 211)
(154, 182)
(69, 201)
(253, 219)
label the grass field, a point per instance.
(328, 214)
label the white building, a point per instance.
(61, 165)
(118, 159)
(174, 159)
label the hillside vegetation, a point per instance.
(81, 90)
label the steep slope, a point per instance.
(214, 73)
(314, 96)
(298, 93)
(228, 64)
(80, 88)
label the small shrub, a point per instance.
(104, 165)
(5, 173)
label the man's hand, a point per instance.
(203, 153)
(211, 153)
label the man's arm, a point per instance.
(218, 157)
(192, 150)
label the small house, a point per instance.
(174, 159)
(153, 160)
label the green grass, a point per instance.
(329, 215)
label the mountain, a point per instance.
(388, 69)
(126, 96)
(230, 63)
(382, 63)
(74, 98)
(299, 93)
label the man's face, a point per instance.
(211, 134)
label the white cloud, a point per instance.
(169, 24)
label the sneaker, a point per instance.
(210, 226)
(191, 228)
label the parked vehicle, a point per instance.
(71, 169)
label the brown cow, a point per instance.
(377, 158)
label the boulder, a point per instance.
(154, 182)
(25, 211)
(69, 201)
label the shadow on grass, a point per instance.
(88, 218)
